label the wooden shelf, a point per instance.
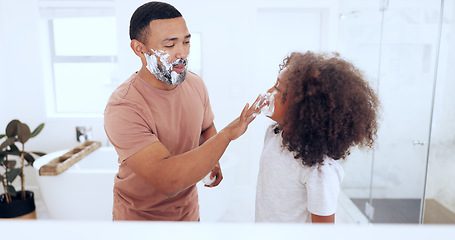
(62, 163)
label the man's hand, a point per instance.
(216, 172)
(238, 127)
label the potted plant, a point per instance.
(14, 204)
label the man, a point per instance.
(161, 124)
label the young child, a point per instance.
(322, 107)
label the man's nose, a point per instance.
(182, 51)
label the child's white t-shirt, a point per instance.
(288, 191)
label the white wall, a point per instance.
(21, 76)
(3, 81)
(22, 79)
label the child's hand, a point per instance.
(238, 127)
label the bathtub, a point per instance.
(84, 191)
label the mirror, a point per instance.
(405, 49)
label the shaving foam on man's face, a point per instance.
(163, 70)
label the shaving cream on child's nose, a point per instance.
(270, 107)
(269, 100)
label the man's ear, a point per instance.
(138, 48)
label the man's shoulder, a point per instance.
(196, 83)
(126, 91)
(194, 78)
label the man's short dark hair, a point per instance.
(145, 14)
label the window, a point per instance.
(81, 55)
(83, 61)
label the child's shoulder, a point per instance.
(329, 167)
(329, 163)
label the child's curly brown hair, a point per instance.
(331, 107)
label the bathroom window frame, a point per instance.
(68, 59)
(52, 10)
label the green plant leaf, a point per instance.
(23, 133)
(37, 130)
(14, 150)
(8, 142)
(2, 158)
(10, 164)
(11, 128)
(29, 158)
(11, 190)
(13, 174)
(2, 136)
(39, 153)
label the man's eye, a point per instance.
(169, 46)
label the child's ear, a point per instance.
(138, 48)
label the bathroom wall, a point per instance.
(2, 57)
(22, 75)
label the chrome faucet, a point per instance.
(83, 133)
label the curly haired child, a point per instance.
(322, 107)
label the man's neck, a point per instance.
(145, 74)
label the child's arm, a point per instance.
(323, 219)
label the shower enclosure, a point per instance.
(406, 48)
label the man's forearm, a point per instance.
(207, 134)
(198, 162)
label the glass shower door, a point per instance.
(406, 82)
(440, 190)
(402, 48)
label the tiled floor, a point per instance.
(407, 211)
(436, 213)
(393, 210)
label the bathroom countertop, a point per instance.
(49, 229)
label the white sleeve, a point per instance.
(323, 186)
